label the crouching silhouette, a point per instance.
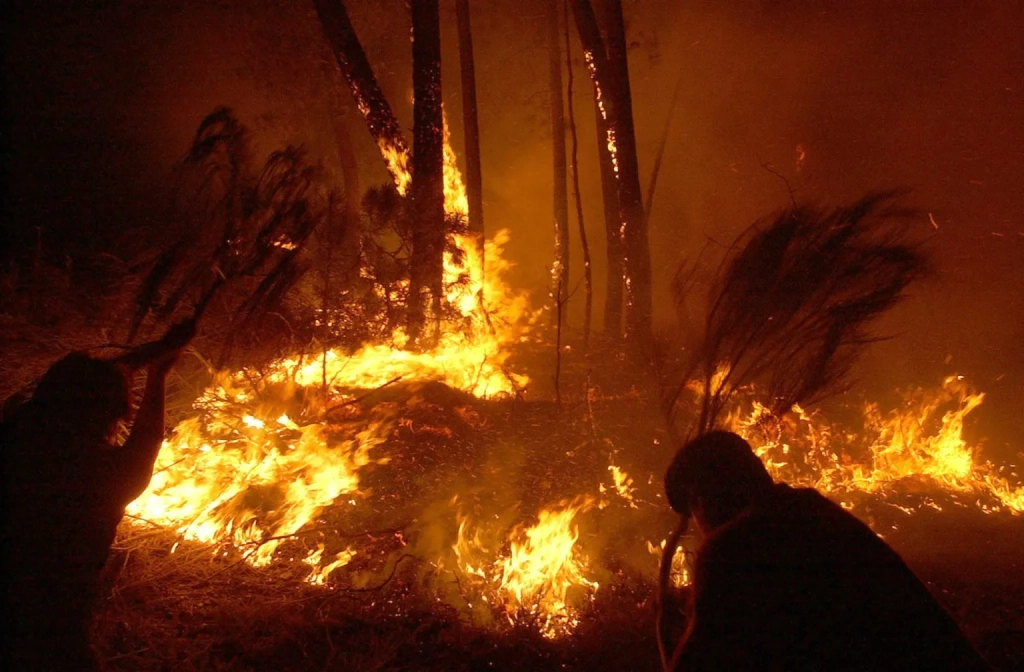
(787, 580)
(66, 488)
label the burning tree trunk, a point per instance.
(474, 179)
(611, 84)
(380, 120)
(560, 272)
(426, 265)
(612, 229)
(631, 204)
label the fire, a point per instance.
(623, 485)
(535, 579)
(921, 441)
(263, 455)
(318, 576)
(679, 574)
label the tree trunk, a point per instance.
(474, 178)
(428, 226)
(380, 120)
(588, 279)
(560, 271)
(631, 205)
(347, 258)
(612, 227)
(611, 85)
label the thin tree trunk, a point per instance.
(662, 143)
(588, 280)
(560, 271)
(428, 226)
(611, 84)
(380, 120)
(474, 178)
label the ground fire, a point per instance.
(267, 452)
(527, 335)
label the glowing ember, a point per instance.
(533, 582)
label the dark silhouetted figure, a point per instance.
(787, 580)
(65, 490)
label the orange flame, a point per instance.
(260, 460)
(922, 440)
(534, 580)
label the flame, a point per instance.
(262, 456)
(679, 573)
(623, 485)
(318, 576)
(921, 441)
(534, 580)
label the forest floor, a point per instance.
(182, 606)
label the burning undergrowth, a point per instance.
(322, 503)
(444, 523)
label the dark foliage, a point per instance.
(791, 305)
(234, 227)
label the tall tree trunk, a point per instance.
(611, 83)
(474, 178)
(631, 204)
(560, 271)
(588, 279)
(380, 120)
(428, 226)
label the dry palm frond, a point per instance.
(234, 225)
(793, 300)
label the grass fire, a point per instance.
(548, 336)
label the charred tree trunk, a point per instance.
(560, 271)
(631, 204)
(588, 279)
(428, 227)
(612, 227)
(474, 178)
(380, 120)
(611, 86)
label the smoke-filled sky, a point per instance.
(924, 94)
